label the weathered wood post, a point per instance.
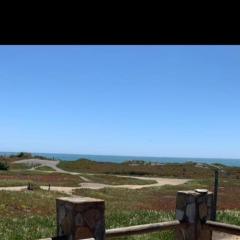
(214, 208)
(80, 218)
(193, 208)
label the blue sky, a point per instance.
(180, 101)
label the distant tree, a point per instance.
(4, 166)
(24, 155)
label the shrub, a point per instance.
(33, 186)
(24, 154)
(4, 166)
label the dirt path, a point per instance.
(91, 185)
(224, 236)
(49, 163)
(159, 182)
(18, 188)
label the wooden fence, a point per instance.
(83, 218)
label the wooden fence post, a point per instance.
(193, 208)
(80, 218)
(214, 208)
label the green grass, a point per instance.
(188, 170)
(45, 168)
(115, 180)
(12, 178)
(126, 207)
(31, 214)
(27, 215)
(184, 170)
(13, 183)
(28, 228)
(229, 216)
(119, 218)
(28, 203)
(19, 166)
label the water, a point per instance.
(119, 159)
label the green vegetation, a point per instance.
(19, 178)
(4, 166)
(27, 215)
(136, 162)
(23, 155)
(118, 218)
(20, 166)
(42, 157)
(29, 228)
(229, 216)
(187, 170)
(31, 214)
(115, 180)
(45, 168)
(10, 160)
(13, 183)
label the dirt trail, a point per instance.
(91, 185)
(224, 236)
(18, 188)
(159, 182)
(49, 163)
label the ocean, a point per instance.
(119, 159)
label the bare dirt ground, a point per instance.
(18, 188)
(159, 182)
(224, 236)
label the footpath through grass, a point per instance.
(32, 214)
(45, 168)
(23, 177)
(115, 180)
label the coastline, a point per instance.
(230, 162)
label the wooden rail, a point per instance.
(83, 218)
(141, 229)
(223, 227)
(133, 230)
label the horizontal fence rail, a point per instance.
(223, 227)
(83, 218)
(133, 230)
(141, 229)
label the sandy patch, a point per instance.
(224, 236)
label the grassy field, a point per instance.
(19, 166)
(162, 198)
(187, 170)
(32, 214)
(18, 178)
(40, 177)
(45, 168)
(27, 215)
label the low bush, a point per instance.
(4, 166)
(24, 155)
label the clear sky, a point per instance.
(179, 101)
